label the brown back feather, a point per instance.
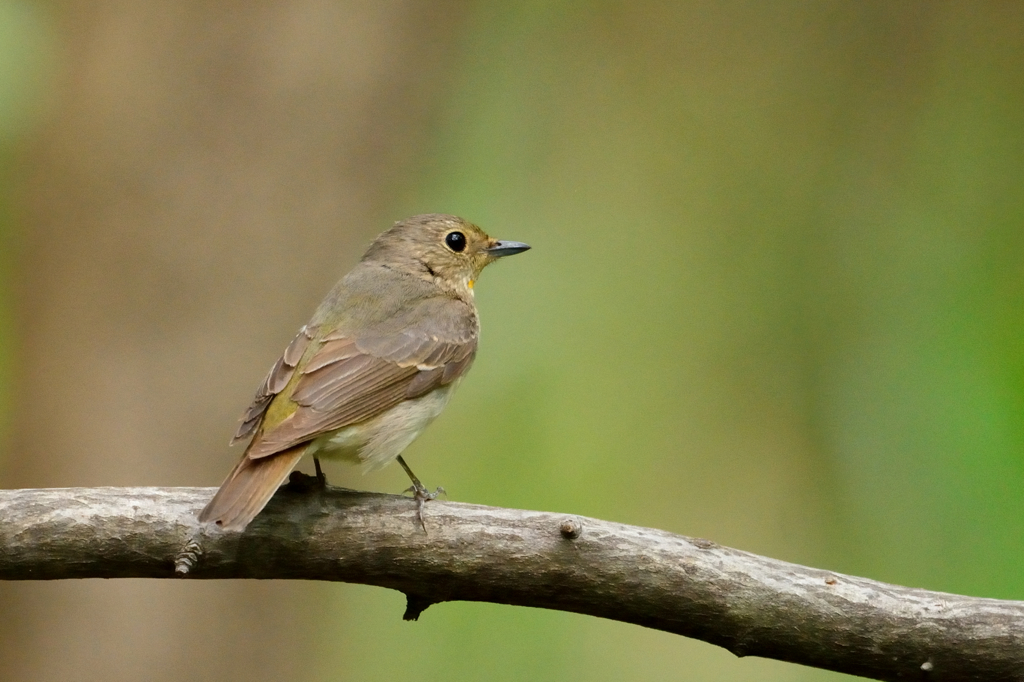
(352, 389)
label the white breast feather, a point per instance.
(377, 441)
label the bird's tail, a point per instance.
(249, 487)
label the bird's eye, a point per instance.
(456, 241)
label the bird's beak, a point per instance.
(501, 249)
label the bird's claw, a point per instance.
(422, 496)
(304, 482)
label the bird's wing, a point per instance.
(352, 377)
(280, 374)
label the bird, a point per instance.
(377, 362)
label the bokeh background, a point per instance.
(776, 296)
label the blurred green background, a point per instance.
(776, 296)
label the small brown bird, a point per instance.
(376, 364)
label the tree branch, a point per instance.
(751, 605)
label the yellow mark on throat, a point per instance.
(470, 284)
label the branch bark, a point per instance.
(751, 605)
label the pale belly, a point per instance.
(377, 441)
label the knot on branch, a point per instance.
(571, 528)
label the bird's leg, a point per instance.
(419, 493)
(320, 478)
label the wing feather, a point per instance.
(332, 351)
(280, 374)
(352, 378)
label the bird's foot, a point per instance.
(422, 496)
(305, 482)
